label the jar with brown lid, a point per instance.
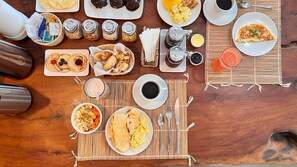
(91, 29)
(129, 33)
(72, 29)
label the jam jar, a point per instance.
(90, 30)
(72, 29)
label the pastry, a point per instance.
(190, 3)
(51, 62)
(62, 64)
(254, 33)
(117, 3)
(102, 55)
(132, 5)
(120, 133)
(110, 63)
(120, 55)
(77, 62)
(126, 59)
(99, 3)
(122, 66)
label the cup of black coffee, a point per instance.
(225, 5)
(150, 90)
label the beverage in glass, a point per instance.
(230, 57)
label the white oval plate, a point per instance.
(40, 9)
(148, 137)
(164, 14)
(254, 48)
(108, 12)
(146, 103)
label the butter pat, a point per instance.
(197, 40)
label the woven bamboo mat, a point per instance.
(95, 146)
(252, 70)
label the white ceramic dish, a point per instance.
(108, 12)
(39, 8)
(163, 52)
(67, 51)
(254, 48)
(73, 113)
(148, 137)
(147, 103)
(164, 14)
(217, 18)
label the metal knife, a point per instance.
(176, 109)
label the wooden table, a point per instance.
(233, 125)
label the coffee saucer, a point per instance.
(150, 104)
(217, 18)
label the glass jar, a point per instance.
(110, 30)
(129, 32)
(72, 28)
(91, 29)
(175, 56)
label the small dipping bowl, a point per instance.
(197, 40)
(195, 58)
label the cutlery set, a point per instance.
(161, 123)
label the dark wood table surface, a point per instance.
(233, 125)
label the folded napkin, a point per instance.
(98, 67)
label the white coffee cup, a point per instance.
(12, 22)
(96, 88)
(220, 10)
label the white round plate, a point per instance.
(154, 103)
(216, 18)
(148, 137)
(254, 48)
(164, 14)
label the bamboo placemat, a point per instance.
(252, 70)
(95, 146)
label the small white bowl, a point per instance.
(75, 110)
(197, 35)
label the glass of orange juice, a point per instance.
(230, 57)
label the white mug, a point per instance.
(12, 22)
(224, 11)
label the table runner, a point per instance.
(252, 70)
(95, 146)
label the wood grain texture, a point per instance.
(233, 125)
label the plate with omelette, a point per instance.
(66, 62)
(57, 6)
(254, 34)
(129, 131)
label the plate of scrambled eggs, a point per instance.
(179, 12)
(129, 131)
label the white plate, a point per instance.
(108, 12)
(254, 48)
(146, 103)
(216, 18)
(39, 8)
(148, 137)
(164, 14)
(67, 51)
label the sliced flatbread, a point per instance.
(120, 134)
(77, 62)
(52, 61)
(254, 33)
(64, 67)
(133, 121)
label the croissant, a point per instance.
(102, 55)
(110, 62)
(122, 66)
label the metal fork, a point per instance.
(169, 116)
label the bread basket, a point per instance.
(60, 37)
(111, 48)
